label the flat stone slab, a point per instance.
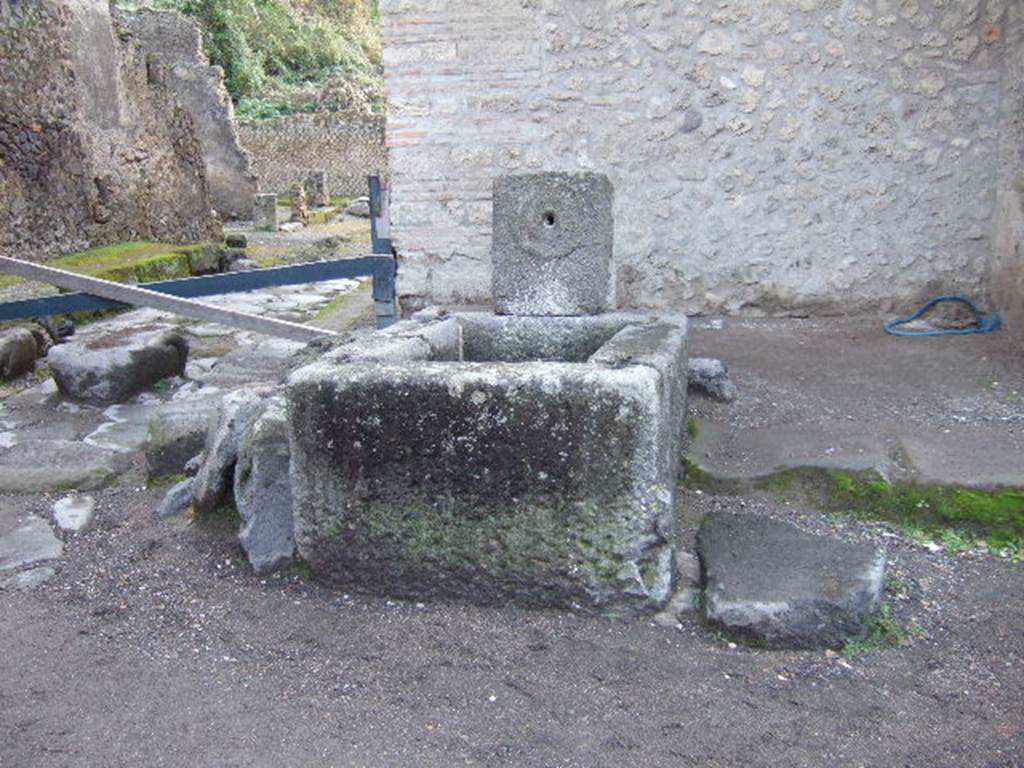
(968, 456)
(31, 542)
(51, 465)
(772, 584)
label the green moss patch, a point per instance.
(927, 511)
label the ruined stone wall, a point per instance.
(349, 147)
(93, 147)
(1008, 244)
(174, 41)
(767, 155)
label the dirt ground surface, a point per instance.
(153, 644)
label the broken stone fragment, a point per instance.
(104, 371)
(216, 474)
(177, 499)
(772, 584)
(359, 207)
(263, 493)
(711, 376)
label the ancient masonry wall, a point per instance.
(174, 41)
(93, 146)
(766, 156)
(1008, 244)
(349, 147)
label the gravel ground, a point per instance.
(153, 645)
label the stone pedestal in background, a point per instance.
(264, 212)
(316, 189)
(300, 207)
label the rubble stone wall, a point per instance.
(175, 42)
(93, 146)
(1008, 245)
(349, 147)
(767, 156)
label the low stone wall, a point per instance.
(349, 147)
(1008, 243)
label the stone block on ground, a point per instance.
(19, 349)
(111, 369)
(174, 436)
(552, 244)
(262, 489)
(774, 585)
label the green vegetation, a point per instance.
(953, 515)
(883, 631)
(692, 427)
(959, 518)
(285, 56)
(132, 262)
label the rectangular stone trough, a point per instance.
(495, 458)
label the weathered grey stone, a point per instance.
(74, 513)
(32, 542)
(264, 212)
(18, 352)
(359, 207)
(53, 465)
(552, 247)
(262, 488)
(508, 338)
(177, 499)
(548, 483)
(316, 187)
(108, 370)
(30, 579)
(215, 477)
(711, 376)
(175, 436)
(771, 583)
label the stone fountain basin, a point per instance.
(494, 458)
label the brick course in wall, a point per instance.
(767, 157)
(285, 149)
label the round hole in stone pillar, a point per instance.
(549, 218)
